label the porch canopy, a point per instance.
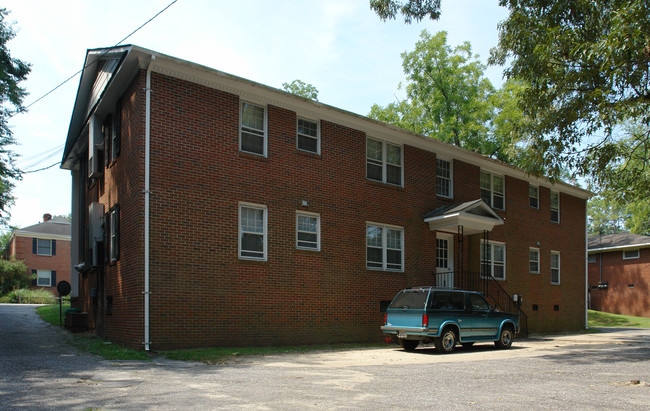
(474, 216)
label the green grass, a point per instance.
(50, 313)
(91, 343)
(106, 349)
(219, 355)
(601, 319)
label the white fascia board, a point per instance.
(617, 248)
(42, 236)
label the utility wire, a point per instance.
(23, 109)
(42, 169)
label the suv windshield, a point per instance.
(410, 299)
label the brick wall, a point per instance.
(202, 294)
(627, 289)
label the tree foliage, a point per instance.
(449, 98)
(410, 9)
(13, 275)
(586, 70)
(302, 89)
(587, 67)
(12, 72)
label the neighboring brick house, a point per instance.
(619, 274)
(45, 249)
(209, 210)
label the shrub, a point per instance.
(13, 275)
(27, 296)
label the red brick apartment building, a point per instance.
(619, 274)
(210, 210)
(45, 249)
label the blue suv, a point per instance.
(447, 317)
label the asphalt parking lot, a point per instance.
(606, 370)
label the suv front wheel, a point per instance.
(505, 338)
(446, 342)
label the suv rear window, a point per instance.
(447, 300)
(410, 299)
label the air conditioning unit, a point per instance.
(95, 148)
(96, 233)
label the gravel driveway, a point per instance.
(608, 370)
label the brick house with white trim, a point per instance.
(619, 274)
(45, 249)
(210, 210)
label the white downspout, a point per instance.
(147, 155)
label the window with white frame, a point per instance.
(533, 196)
(252, 129)
(493, 190)
(115, 233)
(630, 254)
(444, 178)
(308, 136)
(591, 258)
(383, 162)
(384, 247)
(307, 231)
(533, 260)
(44, 278)
(252, 232)
(555, 267)
(555, 206)
(44, 247)
(493, 260)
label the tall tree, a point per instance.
(302, 89)
(449, 98)
(12, 72)
(586, 66)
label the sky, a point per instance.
(339, 46)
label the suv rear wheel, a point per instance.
(446, 342)
(408, 345)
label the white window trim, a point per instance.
(384, 162)
(529, 197)
(384, 247)
(558, 206)
(503, 178)
(451, 178)
(538, 259)
(308, 214)
(308, 136)
(264, 234)
(38, 248)
(491, 248)
(638, 254)
(559, 267)
(43, 274)
(265, 131)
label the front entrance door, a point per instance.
(444, 260)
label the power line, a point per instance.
(23, 109)
(42, 169)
